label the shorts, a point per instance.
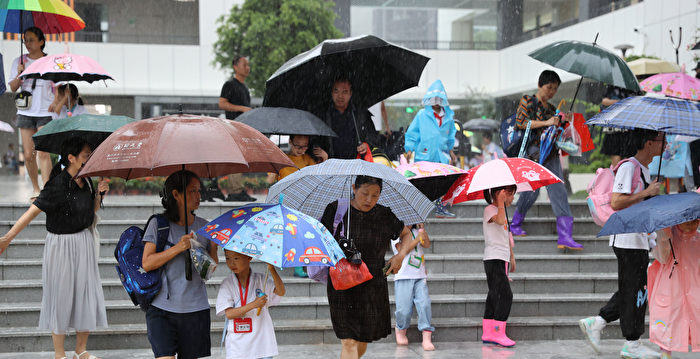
(32, 122)
(184, 334)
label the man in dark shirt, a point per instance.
(343, 118)
(235, 96)
(234, 100)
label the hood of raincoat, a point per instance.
(437, 90)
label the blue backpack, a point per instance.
(141, 286)
(513, 139)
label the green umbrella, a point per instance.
(93, 128)
(588, 60)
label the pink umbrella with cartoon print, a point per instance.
(431, 178)
(675, 84)
(66, 67)
(527, 175)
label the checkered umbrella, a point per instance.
(312, 188)
(668, 115)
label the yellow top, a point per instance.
(300, 161)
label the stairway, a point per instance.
(551, 289)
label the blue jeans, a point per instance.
(407, 293)
(557, 193)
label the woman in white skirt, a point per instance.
(72, 289)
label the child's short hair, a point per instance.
(490, 192)
(232, 251)
(548, 77)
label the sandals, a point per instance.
(90, 356)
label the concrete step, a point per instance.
(318, 331)
(304, 308)
(440, 244)
(113, 228)
(28, 291)
(436, 263)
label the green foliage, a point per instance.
(637, 57)
(271, 32)
(594, 161)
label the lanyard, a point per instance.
(244, 299)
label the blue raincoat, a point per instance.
(425, 137)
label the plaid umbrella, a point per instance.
(668, 115)
(312, 188)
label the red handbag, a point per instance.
(346, 275)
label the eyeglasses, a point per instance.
(299, 147)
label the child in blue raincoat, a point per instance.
(431, 135)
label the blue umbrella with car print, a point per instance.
(274, 234)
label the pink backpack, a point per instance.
(600, 191)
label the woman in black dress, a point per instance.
(362, 314)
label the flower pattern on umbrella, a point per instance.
(274, 234)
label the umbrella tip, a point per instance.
(281, 198)
(179, 107)
(596, 38)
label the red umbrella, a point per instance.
(525, 174)
(207, 146)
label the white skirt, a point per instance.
(72, 290)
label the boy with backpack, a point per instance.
(629, 303)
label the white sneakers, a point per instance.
(635, 350)
(591, 328)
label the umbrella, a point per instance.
(431, 178)
(207, 146)
(376, 68)
(274, 234)
(285, 121)
(93, 128)
(312, 188)
(527, 175)
(51, 16)
(588, 60)
(646, 66)
(653, 214)
(6, 127)
(675, 84)
(481, 124)
(66, 67)
(659, 114)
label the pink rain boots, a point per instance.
(401, 337)
(494, 332)
(428, 340)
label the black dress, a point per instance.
(363, 312)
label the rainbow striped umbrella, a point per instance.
(51, 16)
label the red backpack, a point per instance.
(600, 191)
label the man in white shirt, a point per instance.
(629, 303)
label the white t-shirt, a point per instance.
(496, 237)
(42, 96)
(413, 265)
(623, 184)
(261, 342)
(77, 110)
(492, 151)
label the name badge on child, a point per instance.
(242, 325)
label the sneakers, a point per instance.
(241, 196)
(441, 210)
(635, 350)
(591, 328)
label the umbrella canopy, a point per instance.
(588, 60)
(207, 146)
(274, 234)
(92, 128)
(377, 69)
(481, 124)
(66, 67)
(312, 188)
(647, 66)
(285, 121)
(6, 127)
(431, 178)
(654, 214)
(527, 175)
(51, 16)
(675, 84)
(660, 114)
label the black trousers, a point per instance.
(695, 161)
(500, 297)
(629, 303)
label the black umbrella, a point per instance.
(481, 124)
(285, 121)
(377, 69)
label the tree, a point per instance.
(271, 32)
